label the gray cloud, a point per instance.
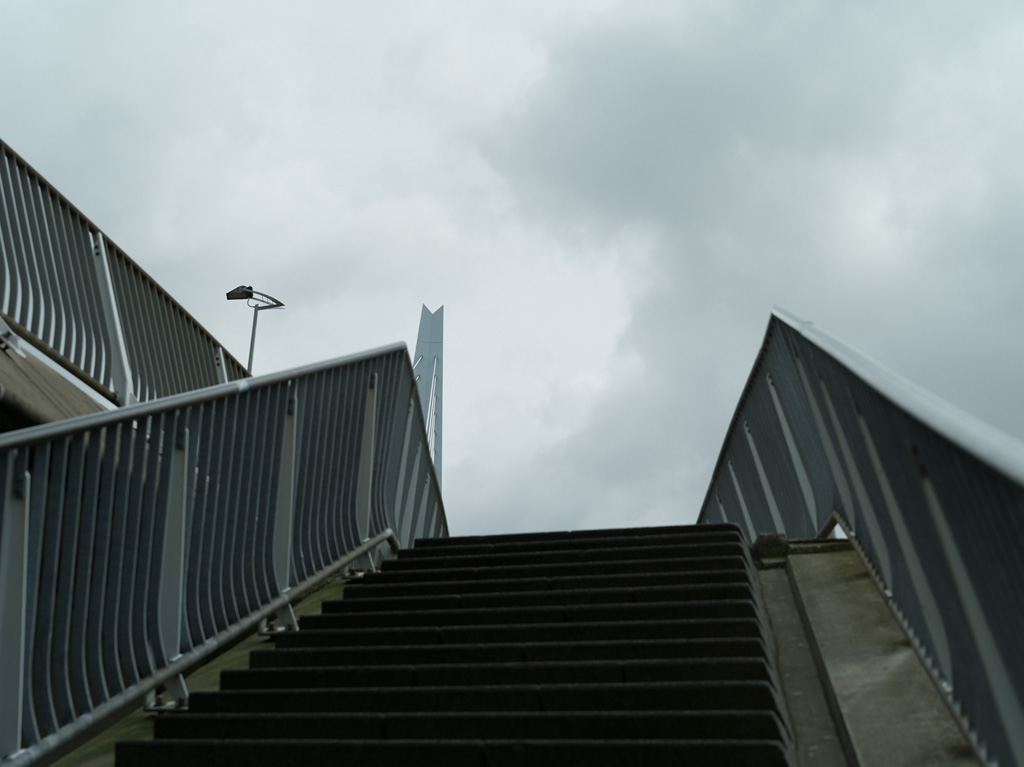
(608, 197)
(813, 157)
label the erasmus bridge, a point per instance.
(849, 595)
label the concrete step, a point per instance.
(568, 556)
(560, 613)
(377, 585)
(627, 696)
(642, 647)
(566, 544)
(526, 652)
(538, 632)
(555, 569)
(625, 533)
(464, 753)
(572, 725)
(542, 597)
(477, 674)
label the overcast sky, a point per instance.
(608, 198)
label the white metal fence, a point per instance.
(135, 542)
(70, 289)
(933, 498)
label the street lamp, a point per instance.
(258, 301)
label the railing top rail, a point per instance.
(43, 432)
(7, 149)
(995, 448)
(1000, 451)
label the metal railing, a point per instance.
(72, 292)
(932, 497)
(135, 542)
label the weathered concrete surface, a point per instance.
(31, 393)
(892, 710)
(818, 743)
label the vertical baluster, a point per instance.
(120, 367)
(105, 451)
(172, 568)
(14, 542)
(284, 509)
(363, 489)
(64, 662)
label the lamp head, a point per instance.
(240, 292)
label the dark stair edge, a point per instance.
(629, 532)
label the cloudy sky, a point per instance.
(608, 198)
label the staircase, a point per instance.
(612, 647)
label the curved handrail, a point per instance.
(933, 498)
(47, 431)
(131, 539)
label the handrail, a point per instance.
(132, 539)
(69, 286)
(188, 662)
(47, 431)
(932, 497)
(988, 444)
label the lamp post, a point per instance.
(258, 301)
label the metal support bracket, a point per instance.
(9, 340)
(177, 693)
(285, 617)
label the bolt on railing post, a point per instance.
(363, 487)
(120, 366)
(284, 512)
(221, 364)
(13, 599)
(172, 568)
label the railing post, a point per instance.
(13, 599)
(400, 521)
(172, 568)
(285, 511)
(363, 488)
(120, 366)
(221, 364)
(409, 530)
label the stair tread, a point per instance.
(569, 556)
(521, 651)
(627, 532)
(575, 631)
(607, 595)
(480, 674)
(455, 753)
(606, 725)
(722, 608)
(373, 585)
(601, 542)
(639, 696)
(482, 572)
